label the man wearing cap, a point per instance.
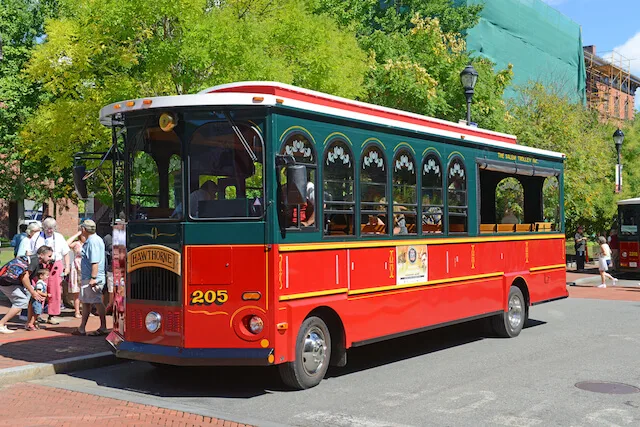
(93, 278)
(581, 247)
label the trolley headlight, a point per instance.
(153, 321)
(256, 324)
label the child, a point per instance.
(35, 307)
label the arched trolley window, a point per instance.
(338, 177)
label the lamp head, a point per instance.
(618, 137)
(468, 78)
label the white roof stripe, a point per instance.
(322, 95)
(244, 99)
(635, 201)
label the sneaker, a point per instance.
(5, 330)
(615, 282)
(602, 285)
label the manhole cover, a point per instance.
(607, 387)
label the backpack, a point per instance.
(10, 272)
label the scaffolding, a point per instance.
(610, 86)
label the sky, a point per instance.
(608, 24)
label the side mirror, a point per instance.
(296, 184)
(79, 172)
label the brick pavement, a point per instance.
(46, 345)
(28, 404)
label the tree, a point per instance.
(21, 26)
(543, 118)
(98, 52)
(417, 51)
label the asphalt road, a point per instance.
(454, 376)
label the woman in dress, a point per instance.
(603, 262)
(59, 266)
(75, 243)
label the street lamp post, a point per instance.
(468, 78)
(618, 137)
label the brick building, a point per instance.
(66, 214)
(610, 85)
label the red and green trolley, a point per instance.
(266, 224)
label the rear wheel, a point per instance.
(313, 352)
(510, 323)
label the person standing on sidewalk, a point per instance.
(603, 262)
(15, 242)
(25, 245)
(15, 283)
(93, 278)
(581, 248)
(58, 268)
(73, 279)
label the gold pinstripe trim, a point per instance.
(294, 128)
(430, 282)
(313, 294)
(547, 267)
(453, 153)
(299, 247)
(424, 153)
(404, 144)
(342, 135)
(366, 141)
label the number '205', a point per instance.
(209, 297)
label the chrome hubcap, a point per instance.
(515, 311)
(314, 351)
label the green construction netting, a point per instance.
(541, 43)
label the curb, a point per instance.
(41, 370)
(584, 280)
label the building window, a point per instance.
(338, 177)
(457, 196)
(432, 201)
(373, 192)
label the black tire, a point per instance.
(313, 347)
(510, 323)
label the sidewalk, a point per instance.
(584, 285)
(70, 408)
(26, 355)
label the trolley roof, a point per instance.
(280, 94)
(634, 201)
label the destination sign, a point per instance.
(153, 256)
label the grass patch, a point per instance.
(6, 255)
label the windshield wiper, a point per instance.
(241, 137)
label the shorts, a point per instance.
(91, 294)
(603, 265)
(37, 307)
(17, 294)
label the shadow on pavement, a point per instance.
(246, 382)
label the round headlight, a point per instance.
(152, 321)
(256, 324)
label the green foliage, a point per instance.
(416, 52)
(544, 119)
(99, 52)
(509, 198)
(21, 26)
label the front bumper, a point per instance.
(188, 356)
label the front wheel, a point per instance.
(313, 352)
(510, 323)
